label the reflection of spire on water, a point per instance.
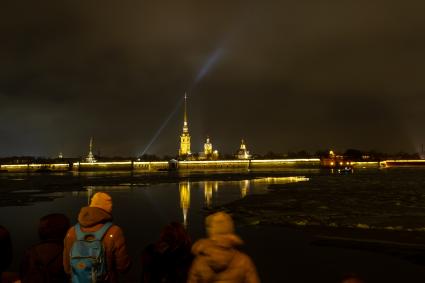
(208, 193)
(215, 186)
(184, 188)
(244, 188)
(90, 190)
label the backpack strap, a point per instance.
(78, 233)
(102, 231)
(98, 235)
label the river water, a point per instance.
(142, 206)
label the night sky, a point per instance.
(284, 75)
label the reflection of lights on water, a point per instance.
(280, 180)
(89, 194)
(244, 188)
(211, 189)
(184, 189)
(208, 193)
(91, 190)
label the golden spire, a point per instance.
(185, 137)
(185, 127)
(185, 108)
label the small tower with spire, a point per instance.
(185, 137)
(90, 157)
(243, 153)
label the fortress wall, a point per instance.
(150, 166)
(362, 164)
(103, 166)
(404, 163)
(214, 164)
(284, 163)
(34, 167)
(272, 164)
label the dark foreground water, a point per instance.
(143, 205)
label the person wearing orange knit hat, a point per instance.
(103, 201)
(217, 259)
(91, 219)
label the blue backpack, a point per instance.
(88, 260)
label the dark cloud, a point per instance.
(292, 75)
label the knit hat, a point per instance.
(103, 201)
(219, 223)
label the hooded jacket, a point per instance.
(217, 260)
(92, 219)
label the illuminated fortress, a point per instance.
(209, 153)
(206, 160)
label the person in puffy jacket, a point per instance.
(91, 219)
(43, 261)
(217, 259)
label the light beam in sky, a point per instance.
(158, 132)
(206, 67)
(211, 61)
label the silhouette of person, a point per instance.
(169, 259)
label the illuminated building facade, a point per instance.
(184, 150)
(90, 157)
(209, 153)
(243, 153)
(208, 149)
(335, 160)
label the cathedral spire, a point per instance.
(185, 108)
(185, 126)
(185, 137)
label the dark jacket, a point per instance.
(163, 264)
(92, 219)
(43, 263)
(217, 260)
(6, 257)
